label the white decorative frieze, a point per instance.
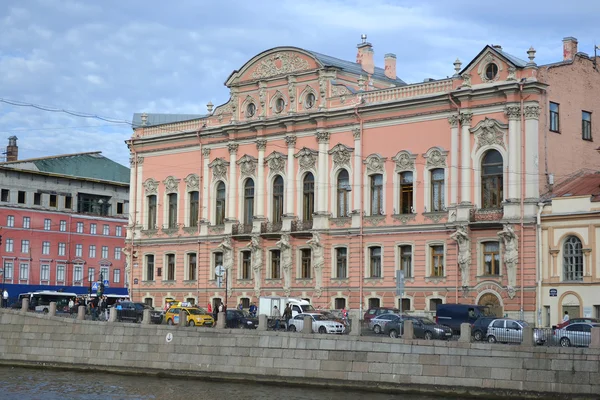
(171, 184)
(192, 182)
(278, 64)
(341, 155)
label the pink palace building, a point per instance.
(321, 178)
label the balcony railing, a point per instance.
(300, 225)
(270, 227)
(241, 229)
(403, 92)
(491, 214)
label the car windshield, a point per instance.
(195, 311)
(426, 321)
(328, 315)
(307, 308)
(319, 317)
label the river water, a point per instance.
(34, 384)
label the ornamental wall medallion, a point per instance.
(405, 161)
(219, 168)
(436, 158)
(247, 165)
(224, 109)
(375, 164)
(171, 184)
(192, 182)
(488, 59)
(151, 186)
(341, 155)
(276, 162)
(489, 132)
(306, 158)
(339, 90)
(279, 64)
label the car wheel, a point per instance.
(169, 321)
(138, 320)
(565, 342)
(377, 329)
(478, 335)
(292, 328)
(45, 311)
(322, 329)
(492, 339)
(191, 323)
(393, 333)
(428, 335)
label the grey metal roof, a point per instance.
(159, 119)
(353, 67)
(515, 60)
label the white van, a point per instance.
(266, 304)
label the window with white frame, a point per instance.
(375, 262)
(406, 192)
(78, 273)
(78, 250)
(93, 228)
(194, 204)
(47, 224)
(149, 267)
(275, 269)
(436, 254)
(62, 249)
(91, 274)
(305, 263)
(45, 248)
(63, 226)
(246, 266)
(92, 253)
(405, 255)
(491, 258)
(308, 197)
(45, 272)
(172, 210)
(118, 231)
(343, 194)
(106, 230)
(10, 221)
(104, 273)
(26, 222)
(24, 246)
(376, 182)
(24, 272)
(170, 267)
(80, 227)
(492, 185)
(437, 189)
(10, 243)
(277, 199)
(152, 207)
(8, 270)
(116, 276)
(192, 266)
(104, 252)
(217, 260)
(572, 259)
(220, 204)
(341, 262)
(60, 273)
(117, 253)
(248, 202)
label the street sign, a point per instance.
(219, 270)
(399, 282)
(553, 292)
(95, 286)
(106, 283)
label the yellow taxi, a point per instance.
(195, 316)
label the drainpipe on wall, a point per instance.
(360, 233)
(539, 263)
(458, 192)
(200, 201)
(523, 177)
(134, 219)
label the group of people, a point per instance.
(277, 317)
(252, 309)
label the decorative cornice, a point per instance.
(453, 121)
(261, 144)
(513, 112)
(232, 147)
(532, 112)
(405, 161)
(466, 117)
(290, 140)
(322, 137)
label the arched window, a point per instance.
(572, 259)
(248, 202)
(343, 194)
(437, 189)
(492, 190)
(277, 199)
(377, 194)
(220, 204)
(308, 197)
(406, 192)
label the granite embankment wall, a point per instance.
(378, 363)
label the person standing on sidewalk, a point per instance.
(5, 298)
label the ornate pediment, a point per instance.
(171, 184)
(436, 157)
(276, 162)
(489, 132)
(342, 155)
(247, 165)
(375, 164)
(151, 186)
(219, 168)
(405, 161)
(306, 158)
(280, 63)
(192, 182)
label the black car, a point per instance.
(129, 311)
(240, 319)
(480, 326)
(453, 315)
(423, 328)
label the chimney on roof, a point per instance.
(497, 47)
(364, 55)
(390, 65)
(569, 48)
(12, 150)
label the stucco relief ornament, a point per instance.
(233, 148)
(262, 98)
(276, 162)
(404, 161)
(322, 136)
(205, 152)
(453, 121)
(219, 168)
(374, 164)
(341, 155)
(290, 140)
(461, 236)
(512, 74)
(318, 253)
(532, 112)
(224, 109)
(279, 64)
(436, 159)
(489, 134)
(513, 112)
(511, 253)
(292, 89)
(466, 80)
(306, 158)
(247, 165)
(192, 182)
(151, 186)
(256, 260)
(227, 248)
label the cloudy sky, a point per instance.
(112, 58)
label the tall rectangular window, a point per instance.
(406, 192)
(78, 250)
(305, 263)
(172, 204)
(150, 267)
(437, 190)
(308, 197)
(220, 204)
(21, 199)
(278, 199)
(118, 231)
(63, 226)
(105, 252)
(68, 202)
(119, 210)
(78, 273)
(10, 221)
(91, 274)
(151, 200)
(37, 199)
(437, 261)
(170, 267)
(406, 260)
(116, 276)
(248, 202)
(62, 249)
(93, 229)
(586, 125)
(192, 264)
(5, 195)
(377, 194)
(26, 222)
(375, 262)
(24, 272)
(10, 245)
(53, 200)
(92, 253)
(491, 258)
(217, 260)
(8, 270)
(47, 224)
(341, 262)
(60, 273)
(554, 117)
(45, 272)
(194, 208)
(343, 194)
(275, 264)
(45, 248)
(24, 246)
(246, 264)
(104, 274)
(80, 227)
(117, 253)
(106, 230)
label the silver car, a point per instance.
(576, 334)
(378, 323)
(510, 331)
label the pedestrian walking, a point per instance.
(276, 315)
(5, 298)
(287, 315)
(94, 305)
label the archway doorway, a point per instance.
(491, 301)
(570, 304)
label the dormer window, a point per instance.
(491, 71)
(250, 110)
(279, 105)
(309, 102)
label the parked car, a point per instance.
(320, 323)
(575, 334)
(480, 326)
(577, 320)
(453, 315)
(378, 323)
(130, 311)
(423, 328)
(195, 316)
(376, 311)
(511, 331)
(240, 319)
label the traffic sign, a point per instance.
(95, 286)
(219, 270)
(106, 283)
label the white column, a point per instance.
(261, 145)
(465, 152)
(356, 190)
(323, 139)
(205, 182)
(453, 181)
(231, 207)
(532, 180)
(289, 185)
(514, 114)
